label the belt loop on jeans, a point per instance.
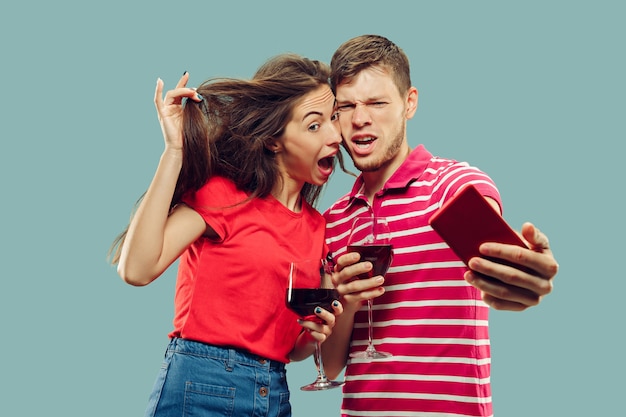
(231, 360)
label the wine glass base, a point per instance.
(370, 354)
(320, 385)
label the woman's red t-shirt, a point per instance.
(230, 292)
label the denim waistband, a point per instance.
(226, 354)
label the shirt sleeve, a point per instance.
(461, 174)
(213, 201)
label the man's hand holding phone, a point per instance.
(512, 272)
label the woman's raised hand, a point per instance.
(170, 110)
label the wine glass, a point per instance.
(310, 287)
(370, 237)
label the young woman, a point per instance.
(232, 198)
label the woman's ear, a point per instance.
(273, 146)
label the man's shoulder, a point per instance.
(338, 207)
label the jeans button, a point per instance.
(262, 361)
(263, 391)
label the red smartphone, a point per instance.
(467, 220)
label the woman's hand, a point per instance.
(321, 331)
(170, 110)
(315, 331)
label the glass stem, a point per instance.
(318, 362)
(370, 328)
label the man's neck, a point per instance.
(373, 181)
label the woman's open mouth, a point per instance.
(326, 164)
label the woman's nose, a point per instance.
(334, 134)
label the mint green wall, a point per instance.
(532, 92)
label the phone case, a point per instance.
(467, 220)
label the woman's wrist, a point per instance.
(173, 152)
(304, 346)
(172, 157)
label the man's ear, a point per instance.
(411, 102)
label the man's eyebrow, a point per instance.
(367, 100)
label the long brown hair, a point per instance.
(227, 133)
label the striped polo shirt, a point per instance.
(433, 323)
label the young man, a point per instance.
(432, 313)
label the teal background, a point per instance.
(531, 92)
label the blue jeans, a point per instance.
(197, 379)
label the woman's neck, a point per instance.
(289, 195)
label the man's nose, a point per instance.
(360, 116)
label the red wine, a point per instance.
(304, 300)
(379, 255)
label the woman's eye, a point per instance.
(314, 127)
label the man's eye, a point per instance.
(335, 116)
(345, 107)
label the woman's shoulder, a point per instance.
(313, 214)
(218, 182)
(219, 191)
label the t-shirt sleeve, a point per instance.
(213, 201)
(460, 175)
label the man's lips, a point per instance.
(363, 144)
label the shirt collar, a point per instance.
(410, 170)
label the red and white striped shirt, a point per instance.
(433, 323)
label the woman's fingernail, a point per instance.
(336, 303)
(318, 310)
(199, 96)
